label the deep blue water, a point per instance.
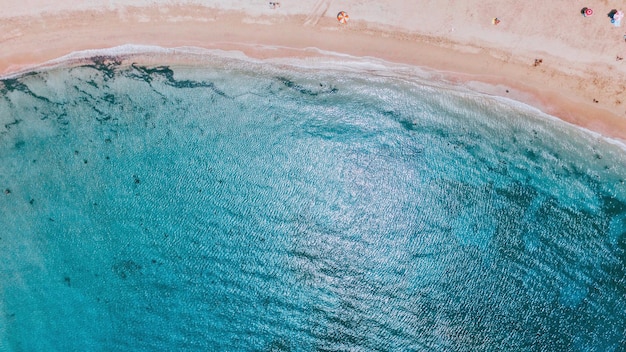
(243, 206)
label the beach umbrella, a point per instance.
(586, 11)
(612, 13)
(342, 17)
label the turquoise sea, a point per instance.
(244, 205)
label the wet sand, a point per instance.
(579, 82)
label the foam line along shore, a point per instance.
(577, 80)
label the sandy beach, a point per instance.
(579, 78)
(247, 175)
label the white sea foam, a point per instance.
(327, 61)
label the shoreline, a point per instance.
(129, 54)
(552, 90)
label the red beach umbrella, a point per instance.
(588, 12)
(342, 17)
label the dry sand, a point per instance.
(579, 79)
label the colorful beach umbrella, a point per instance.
(342, 17)
(586, 11)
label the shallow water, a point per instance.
(243, 206)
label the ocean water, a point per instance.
(258, 206)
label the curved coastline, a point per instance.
(307, 58)
(551, 88)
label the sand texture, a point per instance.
(580, 77)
